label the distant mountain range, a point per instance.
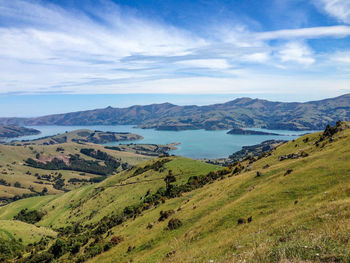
(240, 113)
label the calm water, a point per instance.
(194, 143)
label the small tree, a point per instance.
(44, 191)
(168, 180)
(58, 248)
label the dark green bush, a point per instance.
(174, 223)
(59, 248)
(165, 215)
(30, 217)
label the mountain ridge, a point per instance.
(241, 113)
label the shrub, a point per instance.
(18, 184)
(59, 248)
(115, 240)
(43, 257)
(94, 250)
(174, 223)
(289, 171)
(241, 221)
(164, 215)
(75, 248)
(30, 217)
(9, 249)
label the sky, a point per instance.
(66, 55)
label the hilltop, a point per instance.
(11, 131)
(288, 205)
(239, 113)
(83, 136)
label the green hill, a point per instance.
(11, 131)
(290, 205)
(82, 136)
(27, 170)
(28, 233)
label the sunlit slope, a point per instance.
(89, 204)
(28, 233)
(17, 178)
(300, 215)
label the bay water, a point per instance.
(193, 143)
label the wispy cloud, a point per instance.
(306, 33)
(206, 63)
(110, 49)
(340, 9)
(342, 57)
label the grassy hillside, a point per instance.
(28, 233)
(292, 205)
(18, 179)
(299, 217)
(89, 204)
(11, 131)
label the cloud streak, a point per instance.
(45, 48)
(306, 33)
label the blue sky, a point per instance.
(179, 51)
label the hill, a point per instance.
(11, 131)
(41, 169)
(291, 205)
(249, 132)
(28, 233)
(83, 136)
(241, 113)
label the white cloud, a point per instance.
(257, 57)
(206, 63)
(306, 33)
(45, 48)
(267, 84)
(339, 9)
(342, 57)
(296, 52)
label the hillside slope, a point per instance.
(299, 211)
(242, 112)
(11, 131)
(82, 136)
(89, 204)
(292, 205)
(51, 169)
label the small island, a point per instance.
(240, 131)
(84, 136)
(11, 131)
